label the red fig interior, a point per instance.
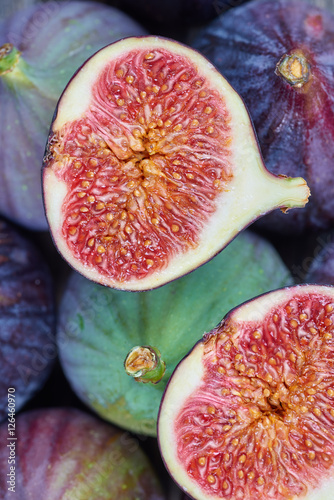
(152, 166)
(249, 412)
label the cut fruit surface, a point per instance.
(249, 412)
(152, 166)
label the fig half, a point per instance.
(249, 412)
(152, 166)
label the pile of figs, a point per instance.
(167, 249)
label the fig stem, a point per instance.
(9, 57)
(294, 68)
(144, 364)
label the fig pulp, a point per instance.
(279, 57)
(152, 166)
(41, 47)
(66, 454)
(249, 412)
(99, 326)
(27, 319)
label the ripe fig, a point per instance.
(66, 454)
(99, 326)
(152, 166)
(248, 413)
(27, 319)
(278, 56)
(41, 47)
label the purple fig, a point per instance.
(279, 57)
(64, 453)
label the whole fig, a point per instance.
(40, 49)
(279, 57)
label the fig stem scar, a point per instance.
(294, 68)
(9, 57)
(144, 364)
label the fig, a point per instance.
(278, 56)
(27, 318)
(98, 327)
(65, 454)
(152, 166)
(249, 412)
(41, 46)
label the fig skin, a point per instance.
(65, 453)
(54, 39)
(99, 326)
(294, 124)
(27, 318)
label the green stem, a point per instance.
(9, 57)
(294, 68)
(144, 364)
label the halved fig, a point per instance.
(152, 166)
(249, 413)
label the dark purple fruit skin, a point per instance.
(321, 269)
(295, 126)
(27, 318)
(67, 453)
